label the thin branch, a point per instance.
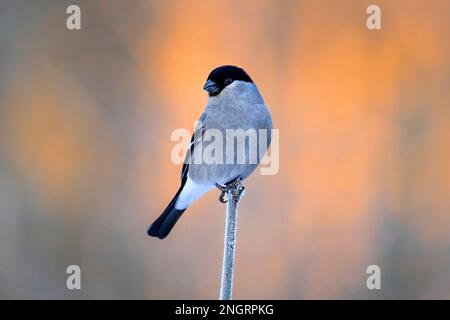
(234, 194)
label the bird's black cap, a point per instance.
(223, 76)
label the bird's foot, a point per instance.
(223, 192)
(235, 186)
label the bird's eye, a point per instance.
(228, 81)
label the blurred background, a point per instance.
(85, 124)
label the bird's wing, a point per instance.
(196, 138)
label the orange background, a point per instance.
(85, 124)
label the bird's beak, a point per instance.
(211, 87)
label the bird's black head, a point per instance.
(223, 76)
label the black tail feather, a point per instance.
(162, 226)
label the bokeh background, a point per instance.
(85, 124)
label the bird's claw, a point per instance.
(223, 192)
(235, 184)
(222, 198)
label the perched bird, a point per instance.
(234, 102)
